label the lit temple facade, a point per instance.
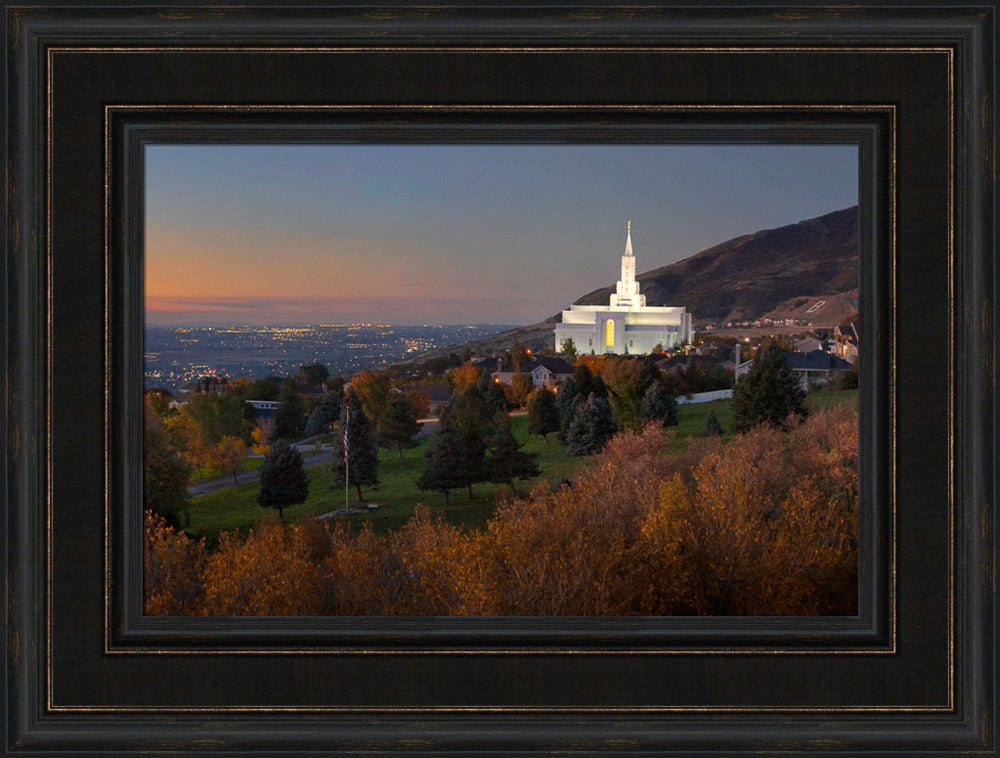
(626, 324)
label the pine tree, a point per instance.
(399, 424)
(769, 392)
(290, 418)
(444, 451)
(505, 461)
(324, 414)
(543, 417)
(592, 426)
(659, 405)
(471, 415)
(282, 479)
(361, 466)
(712, 426)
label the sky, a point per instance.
(450, 234)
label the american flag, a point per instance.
(347, 425)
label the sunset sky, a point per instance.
(409, 234)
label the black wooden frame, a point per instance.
(85, 671)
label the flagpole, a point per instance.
(347, 464)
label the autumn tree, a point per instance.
(262, 435)
(358, 464)
(505, 461)
(659, 405)
(228, 456)
(627, 380)
(591, 428)
(769, 392)
(399, 424)
(165, 472)
(159, 398)
(519, 390)
(283, 481)
(543, 416)
(372, 389)
(464, 376)
(171, 569)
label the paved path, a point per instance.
(211, 485)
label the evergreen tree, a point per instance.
(769, 392)
(290, 418)
(543, 417)
(712, 426)
(282, 479)
(444, 450)
(399, 424)
(659, 405)
(583, 380)
(564, 400)
(568, 350)
(361, 464)
(505, 461)
(496, 398)
(471, 415)
(324, 414)
(592, 426)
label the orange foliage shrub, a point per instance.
(172, 565)
(269, 573)
(765, 524)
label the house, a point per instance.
(846, 341)
(544, 370)
(438, 397)
(816, 367)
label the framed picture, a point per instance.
(96, 94)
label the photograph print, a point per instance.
(501, 380)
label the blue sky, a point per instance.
(273, 234)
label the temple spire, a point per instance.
(628, 237)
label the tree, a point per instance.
(160, 397)
(399, 424)
(591, 428)
(659, 405)
(475, 424)
(444, 452)
(543, 416)
(313, 374)
(359, 466)
(568, 350)
(324, 414)
(372, 389)
(519, 389)
(229, 454)
(282, 479)
(769, 392)
(262, 435)
(290, 418)
(463, 377)
(165, 473)
(712, 427)
(505, 461)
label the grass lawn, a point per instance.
(397, 492)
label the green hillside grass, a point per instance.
(397, 494)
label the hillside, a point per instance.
(748, 276)
(774, 273)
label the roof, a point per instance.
(555, 365)
(816, 360)
(435, 393)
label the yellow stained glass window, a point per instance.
(609, 333)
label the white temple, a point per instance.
(626, 324)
